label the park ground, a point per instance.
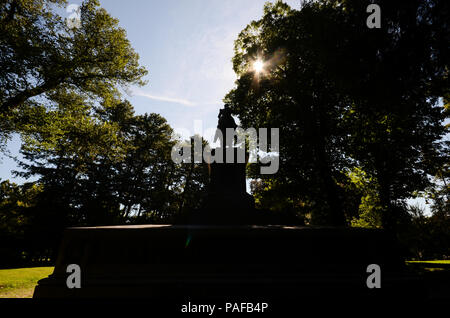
(20, 282)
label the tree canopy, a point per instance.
(42, 53)
(347, 97)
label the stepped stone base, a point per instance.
(161, 261)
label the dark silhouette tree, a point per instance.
(394, 77)
(194, 178)
(293, 93)
(347, 96)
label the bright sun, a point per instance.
(258, 66)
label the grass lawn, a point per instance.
(20, 282)
(430, 266)
(430, 262)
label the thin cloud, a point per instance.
(172, 99)
(165, 98)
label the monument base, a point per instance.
(229, 209)
(272, 262)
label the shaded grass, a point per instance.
(430, 266)
(20, 282)
(430, 262)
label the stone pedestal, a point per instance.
(227, 202)
(269, 262)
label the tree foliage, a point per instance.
(345, 96)
(41, 53)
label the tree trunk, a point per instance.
(333, 213)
